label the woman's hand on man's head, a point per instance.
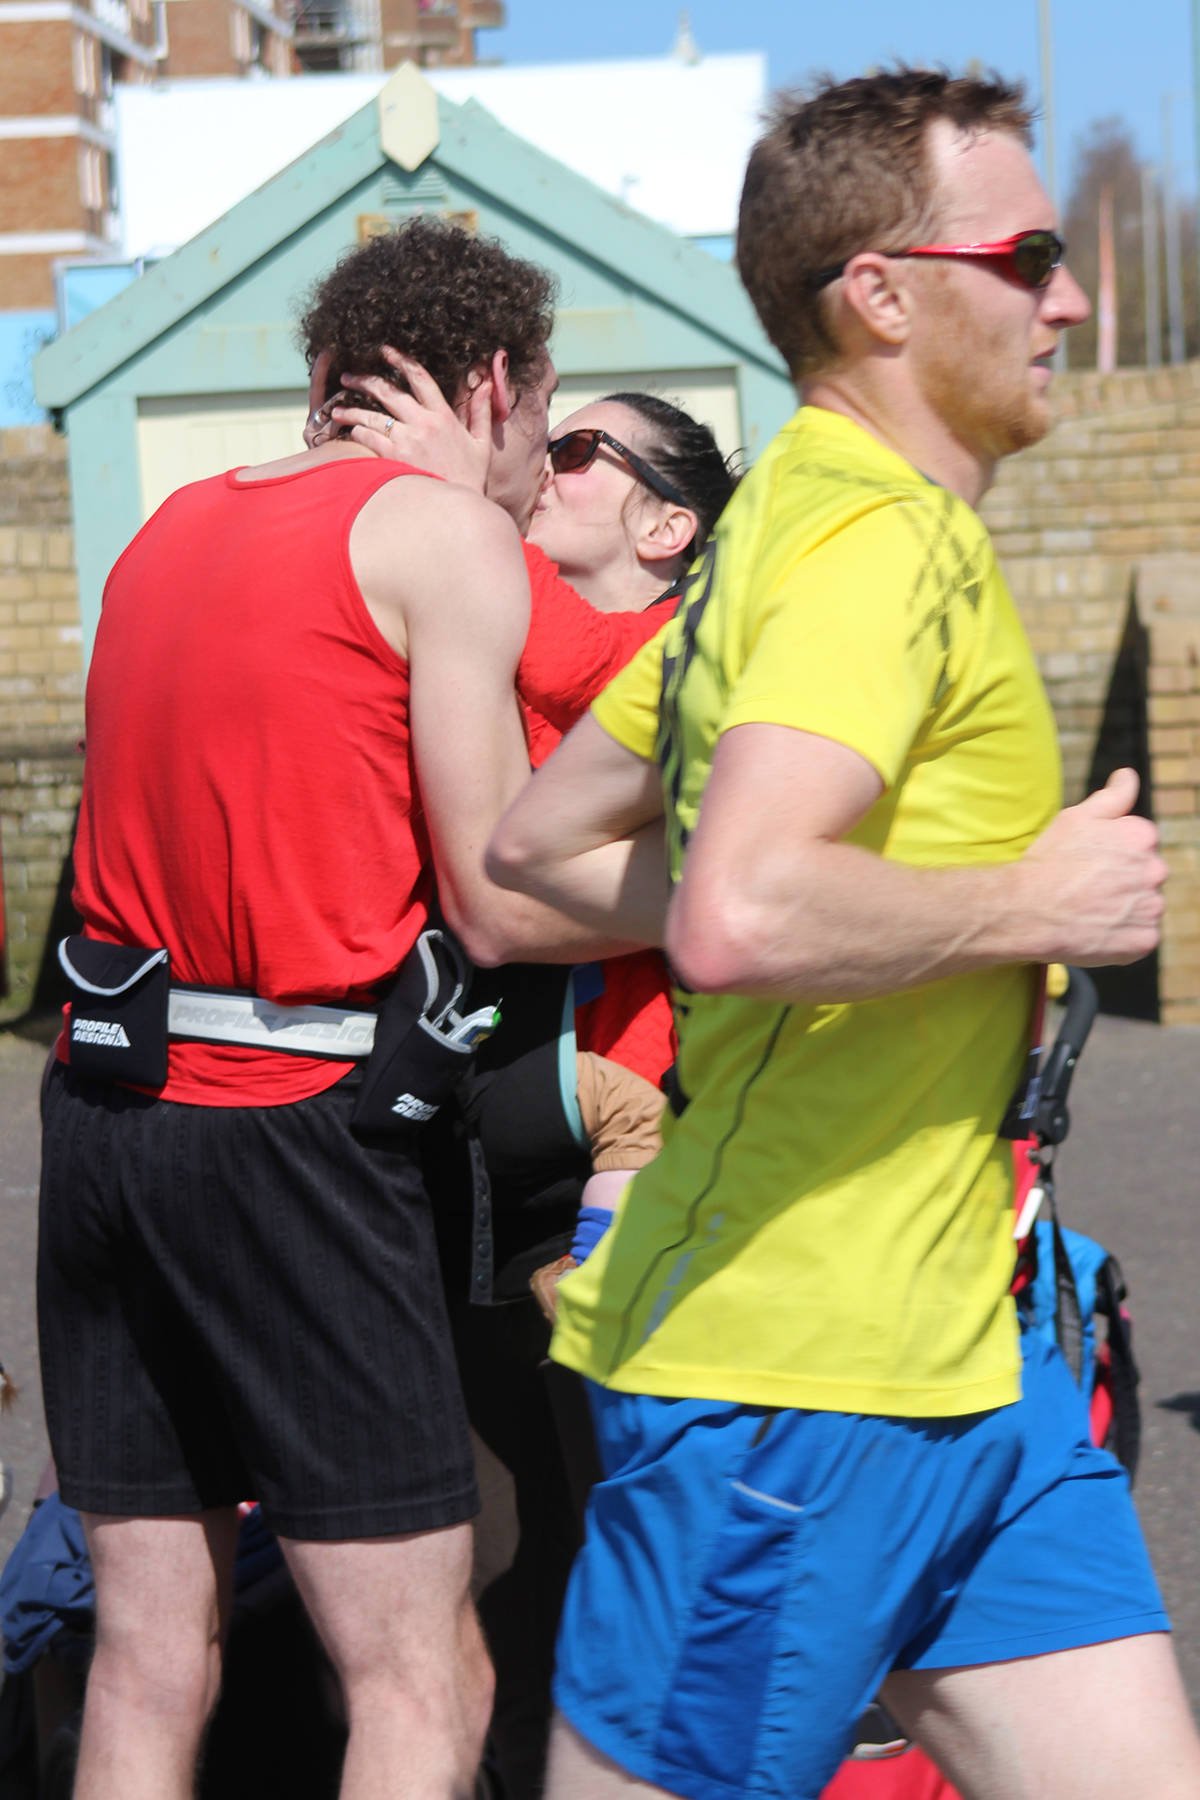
(413, 424)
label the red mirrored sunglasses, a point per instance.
(1031, 257)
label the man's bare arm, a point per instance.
(773, 903)
(443, 575)
(585, 835)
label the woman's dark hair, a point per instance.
(439, 294)
(687, 453)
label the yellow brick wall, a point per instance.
(1074, 609)
(1098, 530)
(41, 700)
(1174, 716)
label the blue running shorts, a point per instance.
(750, 1576)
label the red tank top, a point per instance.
(571, 652)
(248, 790)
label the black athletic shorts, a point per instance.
(244, 1303)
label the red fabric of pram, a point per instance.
(908, 1777)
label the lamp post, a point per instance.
(1150, 270)
(1196, 127)
(1170, 209)
(1046, 51)
(1046, 55)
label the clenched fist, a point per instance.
(1094, 879)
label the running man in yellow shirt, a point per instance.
(827, 1461)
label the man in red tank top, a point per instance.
(300, 710)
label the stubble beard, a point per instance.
(981, 390)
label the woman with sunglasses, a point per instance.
(633, 486)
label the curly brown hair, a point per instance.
(845, 168)
(441, 295)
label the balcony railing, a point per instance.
(438, 24)
(326, 22)
(114, 14)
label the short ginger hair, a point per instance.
(441, 295)
(845, 167)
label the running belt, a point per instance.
(343, 1033)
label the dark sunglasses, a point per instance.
(1030, 256)
(574, 450)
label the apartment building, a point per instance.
(380, 34)
(60, 61)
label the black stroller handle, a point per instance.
(1052, 1121)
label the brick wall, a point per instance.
(41, 699)
(1098, 530)
(35, 67)
(46, 64)
(1074, 608)
(1119, 476)
(34, 491)
(1174, 735)
(202, 39)
(26, 283)
(199, 39)
(41, 185)
(1099, 533)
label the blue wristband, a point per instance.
(590, 1227)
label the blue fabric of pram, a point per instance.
(1039, 1301)
(46, 1587)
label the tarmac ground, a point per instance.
(1128, 1176)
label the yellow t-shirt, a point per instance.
(829, 1224)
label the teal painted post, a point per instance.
(767, 402)
(105, 493)
(1196, 126)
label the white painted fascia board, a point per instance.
(35, 12)
(57, 125)
(116, 40)
(48, 243)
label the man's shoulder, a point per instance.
(441, 517)
(422, 491)
(826, 465)
(826, 516)
(425, 550)
(867, 508)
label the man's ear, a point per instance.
(503, 399)
(876, 294)
(668, 535)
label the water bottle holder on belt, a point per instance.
(414, 1046)
(423, 1042)
(119, 999)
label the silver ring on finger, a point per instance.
(390, 427)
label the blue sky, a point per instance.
(1110, 56)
